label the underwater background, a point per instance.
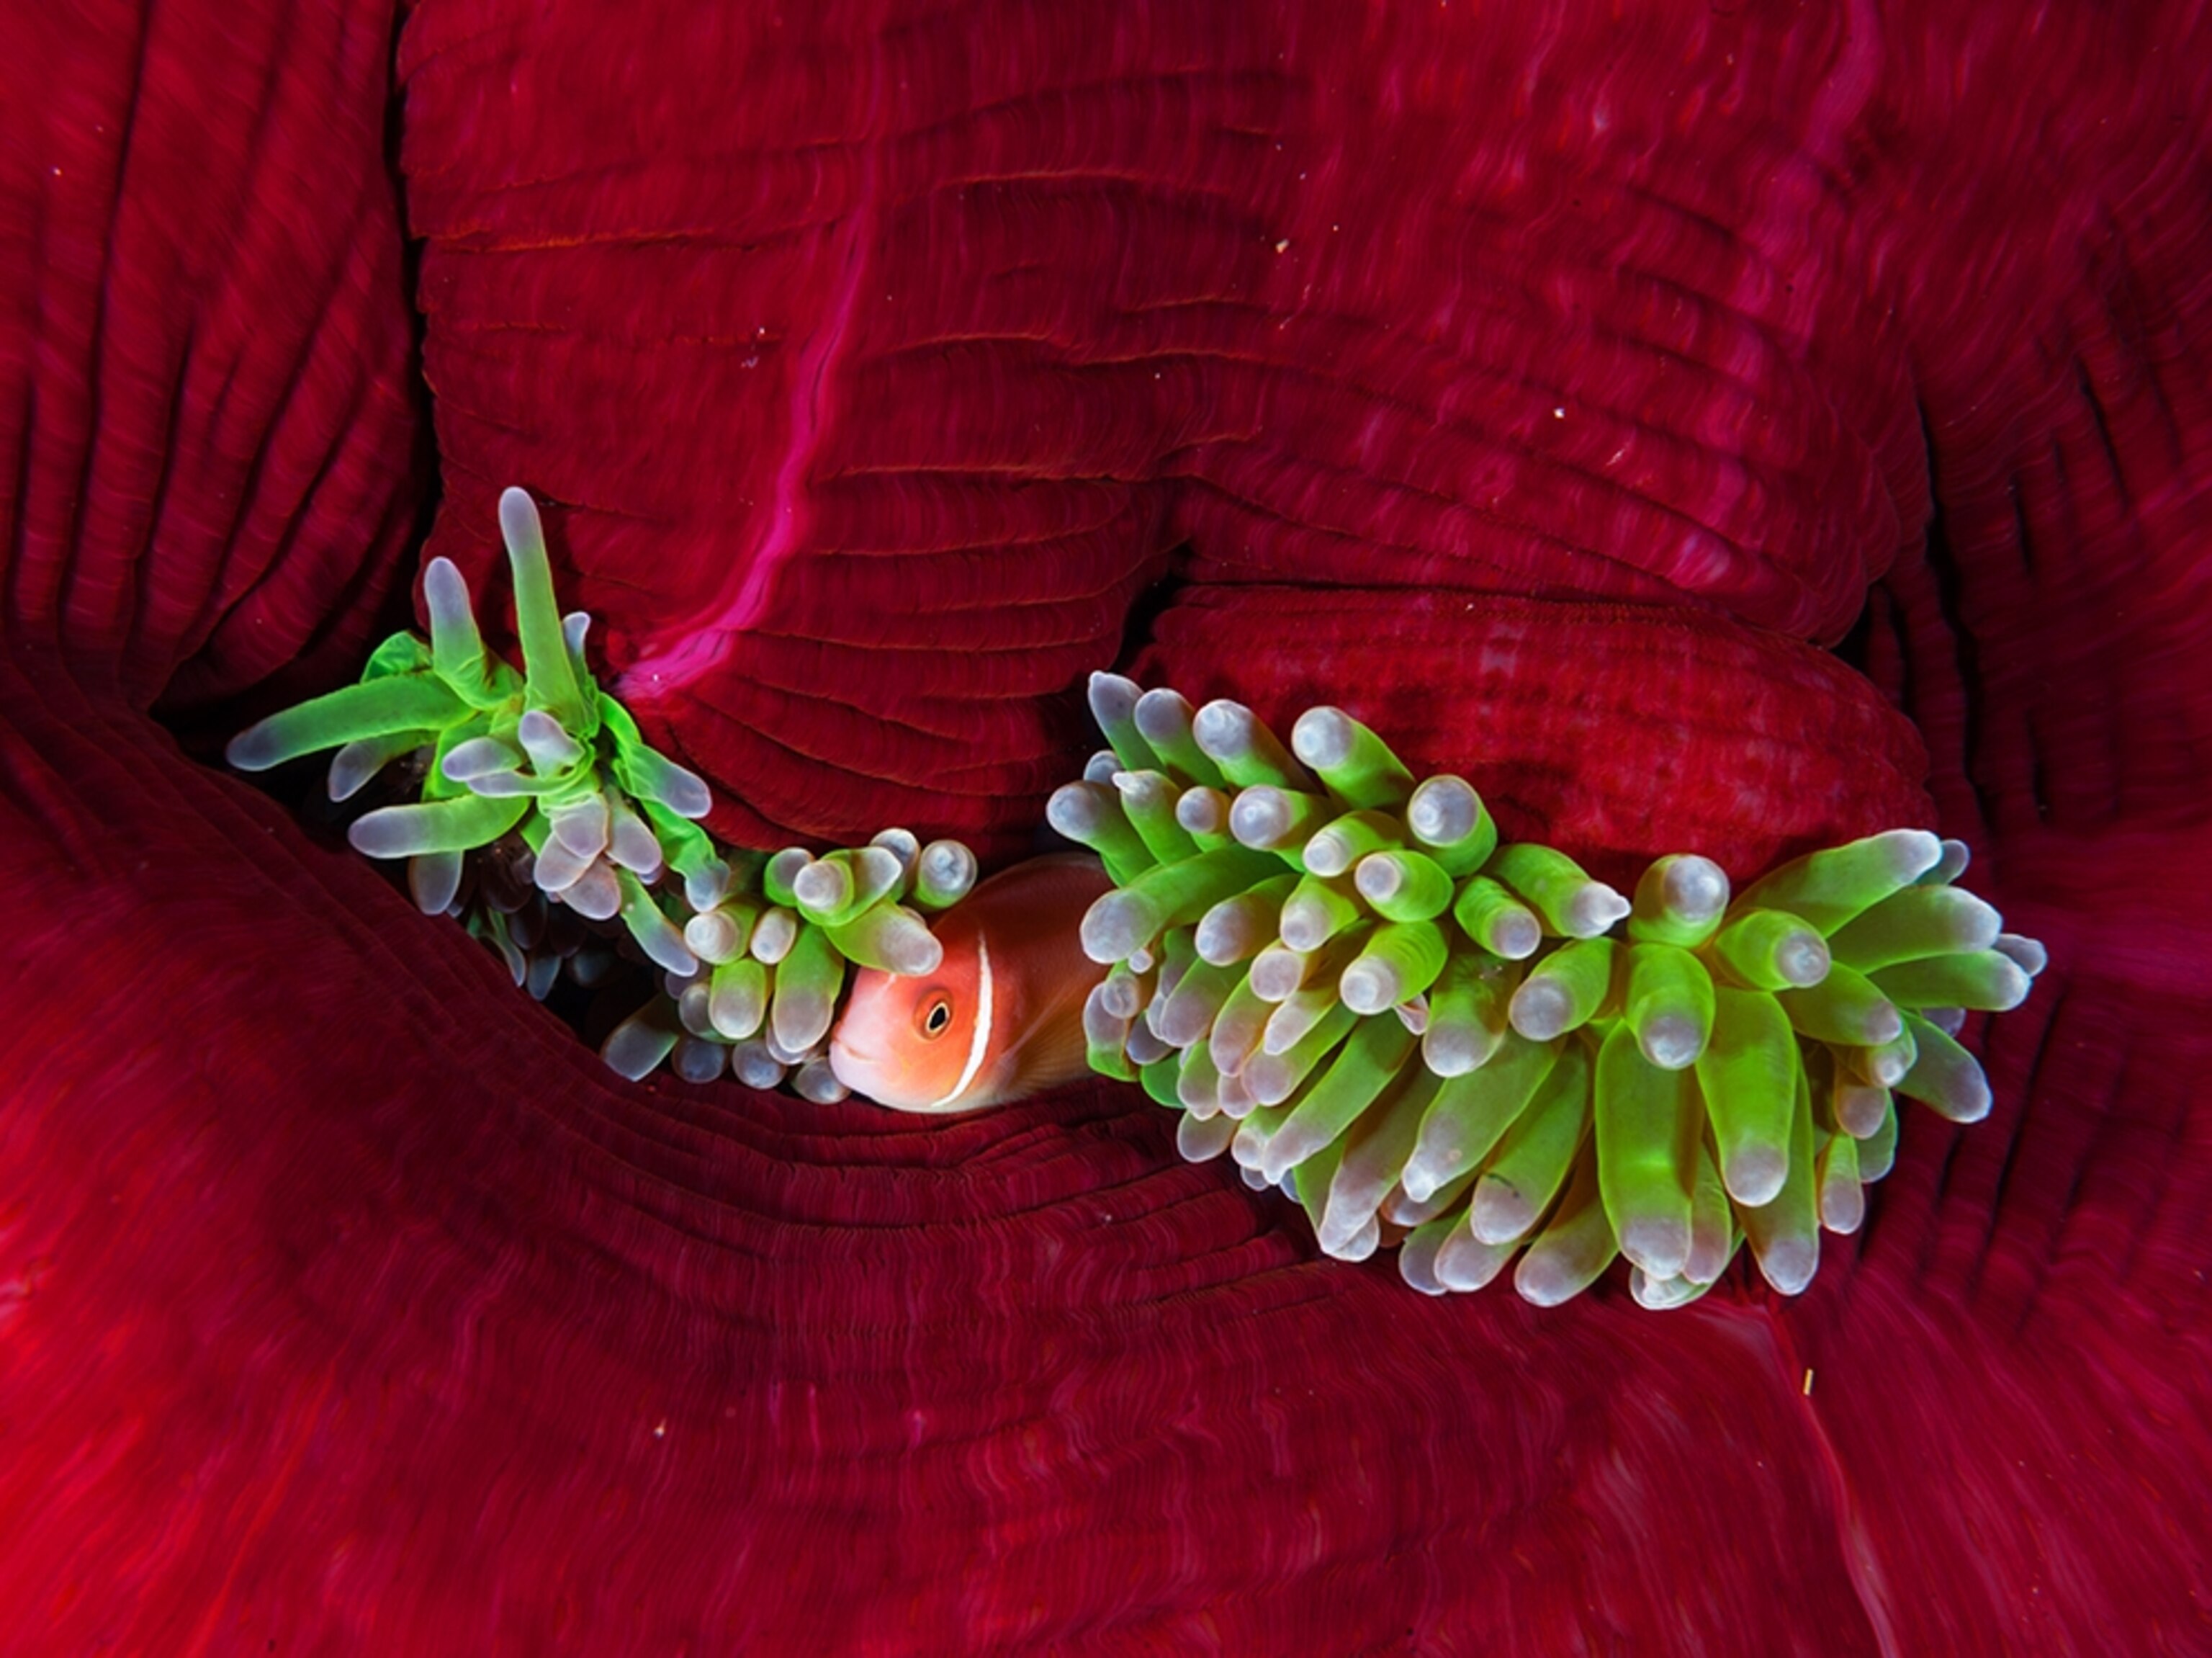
(1730, 431)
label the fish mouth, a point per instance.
(872, 1077)
(856, 1067)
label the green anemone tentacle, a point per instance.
(1335, 969)
(380, 707)
(567, 841)
(1477, 1051)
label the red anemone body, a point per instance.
(1545, 386)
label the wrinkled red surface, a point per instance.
(346, 1304)
(1619, 730)
(944, 346)
(208, 416)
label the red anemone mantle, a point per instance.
(1541, 383)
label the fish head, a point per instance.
(916, 1043)
(1001, 1017)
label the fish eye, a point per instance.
(937, 1016)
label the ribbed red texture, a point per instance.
(871, 369)
(207, 405)
(1623, 732)
(1542, 386)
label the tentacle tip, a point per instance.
(685, 792)
(1419, 1181)
(538, 728)
(1956, 855)
(1449, 1051)
(1304, 925)
(1860, 1114)
(1113, 929)
(1162, 715)
(434, 879)
(1594, 908)
(444, 591)
(1220, 728)
(594, 894)
(1329, 854)
(752, 1064)
(1916, 850)
(2010, 982)
(817, 1083)
(1971, 1100)
(1200, 811)
(1465, 1269)
(2027, 954)
(1442, 809)
(1755, 1175)
(712, 936)
(1378, 878)
(1842, 1208)
(1358, 1244)
(1339, 1225)
(1515, 935)
(636, 1046)
(1664, 1295)
(1710, 1256)
(1658, 1244)
(947, 865)
(1696, 887)
(1323, 737)
(1498, 1213)
(1542, 1282)
(1671, 1043)
(1201, 1138)
(1789, 1265)
(518, 518)
(251, 751)
(911, 959)
(821, 886)
(1120, 998)
(478, 757)
(1259, 816)
(373, 834)
(1540, 1010)
(1112, 696)
(1803, 960)
(707, 884)
(1071, 811)
(1368, 986)
(1417, 1269)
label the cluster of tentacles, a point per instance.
(549, 827)
(1342, 977)
(1340, 974)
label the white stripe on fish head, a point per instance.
(979, 1044)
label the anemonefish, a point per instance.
(1001, 1017)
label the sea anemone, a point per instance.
(1289, 926)
(568, 814)
(1343, 976)
(889, 369)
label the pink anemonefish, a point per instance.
(1002, 1016)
